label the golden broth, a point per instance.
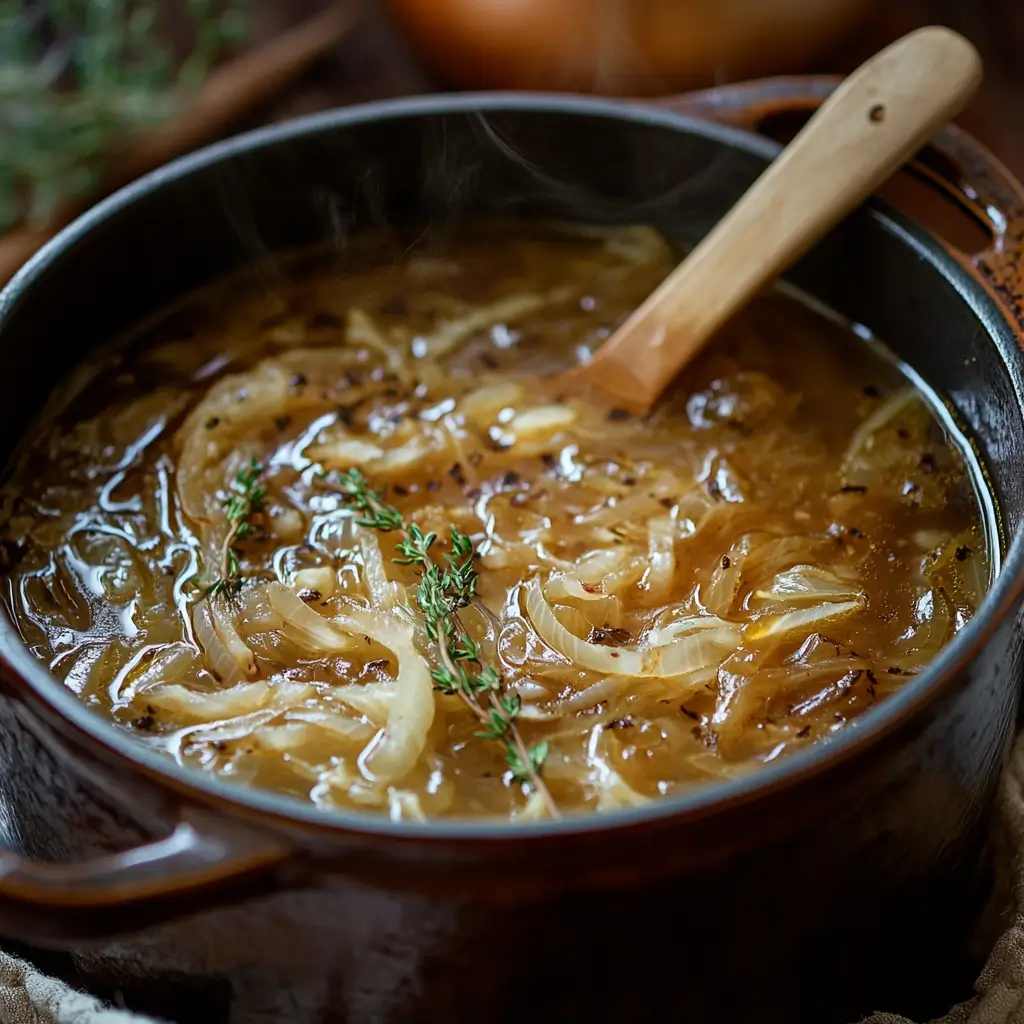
(781, 544)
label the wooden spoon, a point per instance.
(872, 124)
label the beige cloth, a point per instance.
(29, 997)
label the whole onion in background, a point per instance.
(622, 47)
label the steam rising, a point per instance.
(428, 172)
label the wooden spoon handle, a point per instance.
(875, 121)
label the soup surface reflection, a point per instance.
(223, 541)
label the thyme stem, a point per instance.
(248, 500)
(442, 592)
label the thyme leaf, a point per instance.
(247, 500)
(445, 588)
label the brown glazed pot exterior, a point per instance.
(843, 880)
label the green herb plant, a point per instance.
(247, 500)
(78, 77)
(443, 591)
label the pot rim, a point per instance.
(716, 797)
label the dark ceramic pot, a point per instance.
(838, 881)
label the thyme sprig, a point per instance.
(446, 588)
(79, 77)
(248, 499)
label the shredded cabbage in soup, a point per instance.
(667, 601)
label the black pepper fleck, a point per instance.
(618, 415)
(726, 562)
(309, 594)
(963, 552)
(212, 422)
(609, 636)
(872, 683)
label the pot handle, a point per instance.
(954, 162)
(52, 903)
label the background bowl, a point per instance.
(622, 47)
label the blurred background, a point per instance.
(94, 92)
